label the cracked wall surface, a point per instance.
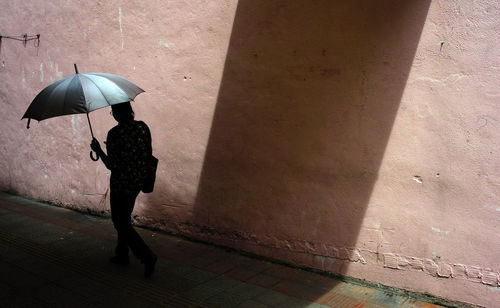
(358, 137)
(333, 259)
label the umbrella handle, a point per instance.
(92, 156)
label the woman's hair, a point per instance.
(123, 112)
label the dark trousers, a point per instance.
(122, 205)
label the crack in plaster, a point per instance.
(41, 72)
(121, 26)
(437, 230)
(326, 255)
(440, 269)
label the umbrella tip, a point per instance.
(28, 126)
(76, 69)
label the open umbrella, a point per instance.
(81, 93)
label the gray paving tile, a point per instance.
(293, 302)
(7, 290)
(173, 282)
(272, 298)
(50, 272)
(201, 292)
(57, 296)
(248, 291)
(22, 226)
(200, 276)
(222, 283)
(17, 301)
(252, 304)
(178, 269)
(45, 235)
(225, 299)
(4, 212)
(22, 279)
(264, 280)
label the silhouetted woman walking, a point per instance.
(129, 148)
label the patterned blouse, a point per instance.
(129, 147)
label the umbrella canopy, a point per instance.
(81, 93)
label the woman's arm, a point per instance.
(96, 147)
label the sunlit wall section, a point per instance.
(432, 220)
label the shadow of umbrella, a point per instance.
(307, 102)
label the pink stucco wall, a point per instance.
(355, 137)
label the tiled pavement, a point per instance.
(54, 257)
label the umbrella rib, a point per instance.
(62, 86)
(67, 93)
(95, 84)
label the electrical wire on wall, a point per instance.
(25, 38)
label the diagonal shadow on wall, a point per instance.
(308, 98)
